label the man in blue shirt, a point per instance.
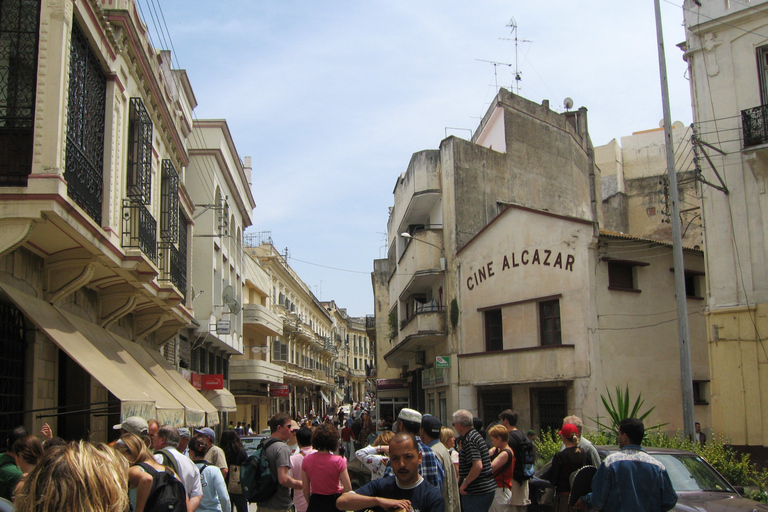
(431, 469)
(630, 480)
(407, 489)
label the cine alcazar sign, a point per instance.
(527, 257)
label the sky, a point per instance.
(331, 99)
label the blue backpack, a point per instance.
(258, 482)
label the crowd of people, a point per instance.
(418, 465)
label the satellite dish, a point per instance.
(228, 296)
(568, 103)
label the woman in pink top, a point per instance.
(323, 474)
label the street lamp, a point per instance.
(405, 234)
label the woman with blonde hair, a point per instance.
(376, 455)
(448, 438)
(502, 465)
(134, 450)
(564, 463)
(76, 476)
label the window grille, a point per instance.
(169, 203)
(19, 27)
(139, 179)
(86, 108)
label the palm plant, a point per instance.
(621, 409)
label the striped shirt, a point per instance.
(473, 448)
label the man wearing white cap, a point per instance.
(430, 468)
(214, 455)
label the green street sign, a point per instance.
(443, 362)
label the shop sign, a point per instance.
(434, 378)
(391, 384)
(279, 390)
(223, 327)
(443, 362)
(213, 381)
(193, 378)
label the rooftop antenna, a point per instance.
(518, 74)
(495, 76)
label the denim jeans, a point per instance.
(477, 502)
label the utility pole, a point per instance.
(686, 379)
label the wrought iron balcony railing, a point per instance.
(173, 266)
(754, 123)
(139, 228)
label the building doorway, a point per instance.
(492, 403)
(550, 406)
(12, 355)
(74, 417)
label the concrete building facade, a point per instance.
(726, 49)
(502, 290)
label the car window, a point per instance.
(689, 472)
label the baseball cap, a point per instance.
(133, 425)
(409, 415)
(569, 429)
(206, 431)
(431, 426)
(294, 425)
(184, 432)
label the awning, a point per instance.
(116, 370)
(222, 399)
(339, 395)
(325, 398)
(145, 383)
(194, 409)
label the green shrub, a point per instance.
(547, 445)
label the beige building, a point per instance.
(726, 48)
(305, 350)
(635, 187)
(502, 291)
(95, 222)
(220, 187)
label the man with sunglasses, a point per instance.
(279, 456)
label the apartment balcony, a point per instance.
(173, 269)
(255, 370)
(139, 229)
(535, 364)
(418, 191)
(423, 261)
(357, 374)
(754, 123)
(424, 329)
(261, 320)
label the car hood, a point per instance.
(716, 502)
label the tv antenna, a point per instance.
(518, 74)
(495, 65)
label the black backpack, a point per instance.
(167, 493)
(256, 479)
(524, 461)
(169, 460)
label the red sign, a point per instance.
(213, 381)
(392, 384)
(196, 380)
(278, 390)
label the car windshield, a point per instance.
(689, 472)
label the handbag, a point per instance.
(548, 496)
(233, 477)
